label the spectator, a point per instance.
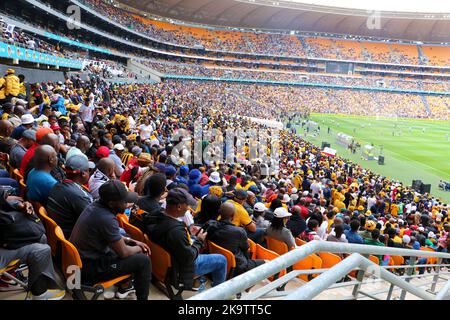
(104, 252)
(277, 229)
(173, 236)
(69, 198)
(230, 237)
(40, 181)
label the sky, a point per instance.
(425, 6)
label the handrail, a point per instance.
(246, 280)
(328, 278)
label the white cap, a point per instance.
(119, 147)
(294, 190)
(305, 193)
(406, 239)
(294, 197)
(281, 212)
(27, 119)
(421, 229)
(259, 207)
(431, 234)
(286, 198)
(215, 177)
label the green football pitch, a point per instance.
(413, 148)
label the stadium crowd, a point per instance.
(86, 150)
(270, 43)
(215, 71)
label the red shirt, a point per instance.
(27, 158)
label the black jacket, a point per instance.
(151, 209)
(174, 236)
(232, 238)
(296, 224)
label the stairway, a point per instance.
(427, 106)
(423, 59)
(305, 46)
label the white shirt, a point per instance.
(87, 112)
(145, 131)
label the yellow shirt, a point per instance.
(241, 217)
(394, 210)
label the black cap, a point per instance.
(114, 190)
(179, 196)
(241, 194)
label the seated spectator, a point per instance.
(154, 188)
(367, 232)
(68, 199)
(232, 238)
(259, 210)
(21, 147)
(242, 218)
(337, 235)
(209, 210)
(296, 224)
(352, 235)
(6, 142)
(174, 236)
(277, 229)
(25, 165)
(311, 231)
(104, 252)
(36, 254)
(103, 173)
(40, 181)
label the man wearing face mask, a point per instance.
(104, 252)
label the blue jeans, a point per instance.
(216, 264)
(422, 261)
(4, 174)
(257, 236)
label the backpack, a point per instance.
(18, 229)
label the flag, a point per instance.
(10, 28)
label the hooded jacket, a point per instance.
(12, 84)
(232, 238)
(174, 237)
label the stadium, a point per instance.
(224, 150)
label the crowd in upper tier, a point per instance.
(276, 43)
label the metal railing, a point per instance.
(328, 278)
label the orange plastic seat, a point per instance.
(329, 259)
(162, 269)
(23, 188)
(299, 242)
(135, 233)
(231, 261)
(71, 258)
(277, 246)
(50, 226)
(17, 175)
(266, 254)
(252, 248)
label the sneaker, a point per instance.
(199, 284)
(54, 294)
(9, 285)
(123, 293)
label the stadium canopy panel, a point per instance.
(414, 20)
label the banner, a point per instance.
(14, 52)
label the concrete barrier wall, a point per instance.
(34, 75)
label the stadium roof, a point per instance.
(408, 24)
